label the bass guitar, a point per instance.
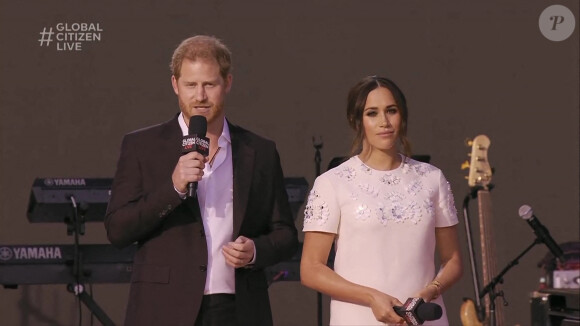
(476, 313)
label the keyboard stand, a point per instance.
(76, 227)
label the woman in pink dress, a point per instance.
(386, 214)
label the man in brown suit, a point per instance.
(200, 260)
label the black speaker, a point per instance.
(555, 307)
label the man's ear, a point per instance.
(174, 84)
(229, 80)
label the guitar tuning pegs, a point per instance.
(468, 142)
(465, 165)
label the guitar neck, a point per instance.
(488, 254)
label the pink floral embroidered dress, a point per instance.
(385, 225)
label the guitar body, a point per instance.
(468, 314)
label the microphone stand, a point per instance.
(317, 157)
(490, 287)
(471, 251)
(76, 226)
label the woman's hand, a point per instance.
(382, 307)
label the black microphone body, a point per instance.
(416, 311)
(195, 141)
(541, 232)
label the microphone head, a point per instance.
(198, 125)
(429, 311)
(526, 212)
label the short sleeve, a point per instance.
(322, 212)
(446, 213)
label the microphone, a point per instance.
(195, 141)
(541, 232)
(416, 311)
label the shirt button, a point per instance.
(203, 268)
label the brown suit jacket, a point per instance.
(169, 269)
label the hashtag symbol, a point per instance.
(45, 37)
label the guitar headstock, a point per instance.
(479, 169)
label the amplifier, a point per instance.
(567, 279)
(555, 307)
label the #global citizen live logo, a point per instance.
(70, 36)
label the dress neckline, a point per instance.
(403, 162)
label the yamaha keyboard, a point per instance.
(50, 201)
(50, 198)
(101, 263)
(53, 264)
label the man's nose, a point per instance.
(200, 94)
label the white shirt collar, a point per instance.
(225, 130)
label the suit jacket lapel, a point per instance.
(170, 150)
(243, 169)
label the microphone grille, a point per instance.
(429, 311)
(198, 125)
(526, 212)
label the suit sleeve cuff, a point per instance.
(181, 194)
(253, 258)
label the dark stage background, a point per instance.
(467, 68)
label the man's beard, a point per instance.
(211, 114)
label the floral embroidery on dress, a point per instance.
(316, 209)
(397, 212)
(390, 179)
(382, 214)
(401, 213)
(394, 196)
(450, 202)
(405, 195)
(415, 187)
(422, 169)
(347, 172)
(413, 212)
(368, 189)
(363, 212)
(428, 205)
